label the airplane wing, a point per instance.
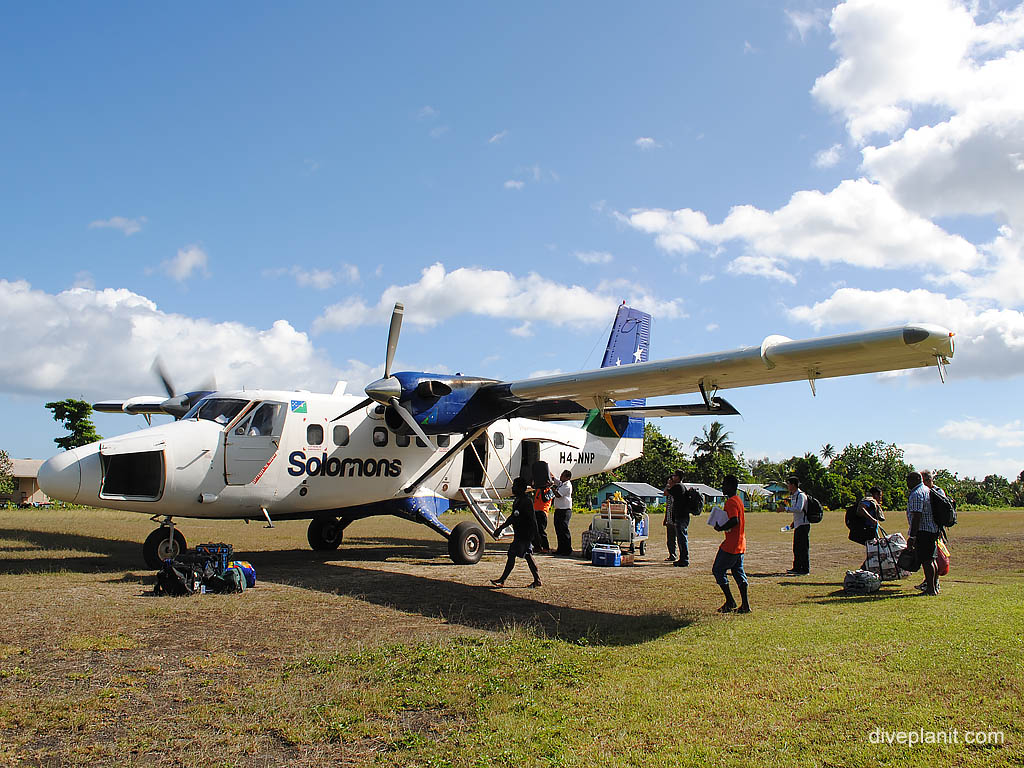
(777, 359)
(142, 404)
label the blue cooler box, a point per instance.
(606, 555)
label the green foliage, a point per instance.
(663, 455)
(765, 471)
(6, 474)
(714, 440)
(874, 463)
(75, 416)
(711, 469)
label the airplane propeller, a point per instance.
(388, 389)
(178, 405)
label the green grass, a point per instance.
(386, 654)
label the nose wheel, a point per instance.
(164, 543)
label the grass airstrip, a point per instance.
(385, 653)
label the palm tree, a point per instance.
(828, 451)
(715, 440)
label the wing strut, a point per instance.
(452, 453)
(940, 363)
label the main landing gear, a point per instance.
(164, 543)
(325, 533)
(466, 543)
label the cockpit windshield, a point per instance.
(220, 410)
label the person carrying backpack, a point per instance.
(801, 528)
(933, 490)
(685, 503)
(923, 533)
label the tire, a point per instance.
(157, 547)
(643, 548)
(466, 544)
(325, 533)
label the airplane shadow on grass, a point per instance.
(469, 605)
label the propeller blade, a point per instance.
(408, 419)
(354, 408)
(396, 328)
(158, 369)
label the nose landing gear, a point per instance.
(162, 544)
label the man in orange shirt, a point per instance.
(730, 553)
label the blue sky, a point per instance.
(245, 190)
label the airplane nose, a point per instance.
(60, 477)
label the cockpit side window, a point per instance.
(263, 422)
(220, 410)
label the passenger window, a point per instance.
(420, 443)
(402, 441)
(380, 436)
(314, 434)
(341, 435)
(499, 440)
(443, 441)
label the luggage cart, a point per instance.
(619, 522)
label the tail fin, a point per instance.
(629, 343)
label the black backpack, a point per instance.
(693, 502)
(813, 511)
(943, 509)
(861, 531)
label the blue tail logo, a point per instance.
(629, 343)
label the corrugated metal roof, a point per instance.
(754, 489)
(640, 489)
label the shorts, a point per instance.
(925, 547)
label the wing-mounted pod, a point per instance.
(424, 404)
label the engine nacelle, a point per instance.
(444, 404)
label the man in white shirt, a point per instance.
(563, 512)
(801, 528)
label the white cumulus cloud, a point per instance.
(989, 342)
(646, 142)
(1009, 435)
(121, 223)
(101, 344)
(594, 257)
(439, 295)
(857, 223)
(188, 261)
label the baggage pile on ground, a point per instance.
(881, 563)
(207, 568)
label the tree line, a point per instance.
(836, 478)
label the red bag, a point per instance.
(942, 561)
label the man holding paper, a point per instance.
(730, 553)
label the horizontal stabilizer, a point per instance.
(719, 407)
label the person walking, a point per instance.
(524, 528)
(563, 512)
(730, 553)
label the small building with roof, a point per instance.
(26, 484)
(651, 496)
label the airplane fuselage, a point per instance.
(299, 462)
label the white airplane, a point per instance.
(334, 458)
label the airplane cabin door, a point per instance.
(498, 462)
(251, 444)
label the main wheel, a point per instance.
(325, 533)
(466, 544)
(643, 548)
(159, 547)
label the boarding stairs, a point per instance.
(483, 503)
